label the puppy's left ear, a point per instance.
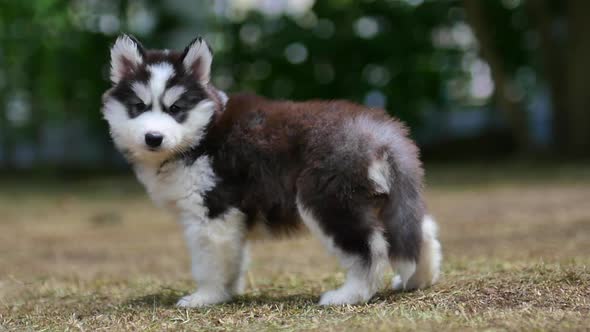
(197, 59)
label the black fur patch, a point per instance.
(194, 94)
(124, 94)
(269, 154)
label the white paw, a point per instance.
(343, 296)
(201, 299)
(397, 284)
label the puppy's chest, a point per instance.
(178, 187)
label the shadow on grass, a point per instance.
(167, 298)
(392, 296)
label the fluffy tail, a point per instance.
(414, 250)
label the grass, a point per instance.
(95, 254)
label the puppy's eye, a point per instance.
(140, 107)
(174, 108)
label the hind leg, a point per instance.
(424, 273)
(365, 266)
(363, 278)
(404, 270)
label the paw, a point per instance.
(343, 296)
(397, 284)
(202, 299)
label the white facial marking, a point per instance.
(199, 117)
(121, 131)
(142, 92)
(160, 74)
(129, 133)
(171, 95)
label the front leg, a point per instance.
(218, 255)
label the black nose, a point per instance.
(153, 139)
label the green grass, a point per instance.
(95, 254)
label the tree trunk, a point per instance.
(4, 134)
(553, 56)
(578, 74)
(513, 109)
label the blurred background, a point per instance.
(497, 95)
(489, 79)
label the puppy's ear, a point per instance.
(197, 59)
(126, 56)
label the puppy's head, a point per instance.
(161, 102)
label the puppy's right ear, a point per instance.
(126, 56)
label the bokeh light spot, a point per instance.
(296, 53)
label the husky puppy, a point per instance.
(226, 166)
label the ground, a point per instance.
(95, 254)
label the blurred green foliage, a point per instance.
(409, 56)
(400, 62)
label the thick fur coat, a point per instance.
(226, 166)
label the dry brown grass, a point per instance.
(96, 255)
